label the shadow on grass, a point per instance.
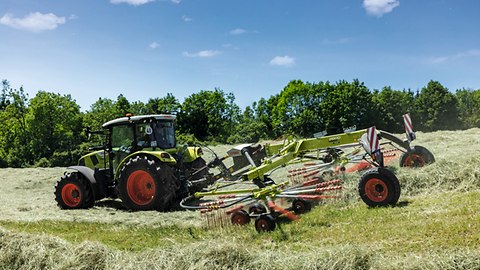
(118, 205)
(402, 204)
(110, 203)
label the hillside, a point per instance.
(436, 225)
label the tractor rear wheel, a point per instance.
(379, 187)
(418, 157)
(73, 192)
(146, 184)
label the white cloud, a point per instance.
(35, 22)
(131, 2)
(176, 1)
(186, 18)
(380, 7)
(241, 31)
(460, 55)
(283, 61)
(202, 54)
(238, 31)
(153, 45)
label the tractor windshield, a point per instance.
(156, 134)
(164, 134)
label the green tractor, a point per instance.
(139, 162)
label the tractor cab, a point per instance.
(131, 134)
(127, 135)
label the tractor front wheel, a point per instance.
(73, 192)
(379, 187)
(418, 157)
(146, 184)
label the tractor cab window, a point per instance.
(164, 135)
(122, 138)
(145, 135)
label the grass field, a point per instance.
(436, 225)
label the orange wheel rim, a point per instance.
(263, 225)
(376, 190)
(141, 187)
(414, 160)
(71, 195)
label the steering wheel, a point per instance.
(125, 149)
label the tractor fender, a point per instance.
(389, 136)
(192, 153)
(162, 156)
(89, 174)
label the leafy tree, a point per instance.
(14, 134)
(101, 111)
(391, 105)
(209, 115)
(469, 107)
(263, 112)
(55, 122)
(138, 108)
(346, 105)
(122, 106)
(249, 129)
(167, 104)
(3, 97)
(437, 108)
(298, 109)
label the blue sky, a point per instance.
(253, 48)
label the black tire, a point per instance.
(418, 157)
(240, 217)
(257, 209)
(146, 184)
(73, 191)
(300, 206)
(379, 187)
(265, 223)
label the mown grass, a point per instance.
(443, 221)
(436, 225)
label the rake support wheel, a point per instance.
(300, 206)
(146, 184)
(379, 187)
(240, 217)
(74, 192)
(257, 209)
(265, 223)
(418, 157)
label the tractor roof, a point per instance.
(138, 118)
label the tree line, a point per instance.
(48, 129)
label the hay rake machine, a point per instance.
(325, 160)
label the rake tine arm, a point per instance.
(275, 208)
